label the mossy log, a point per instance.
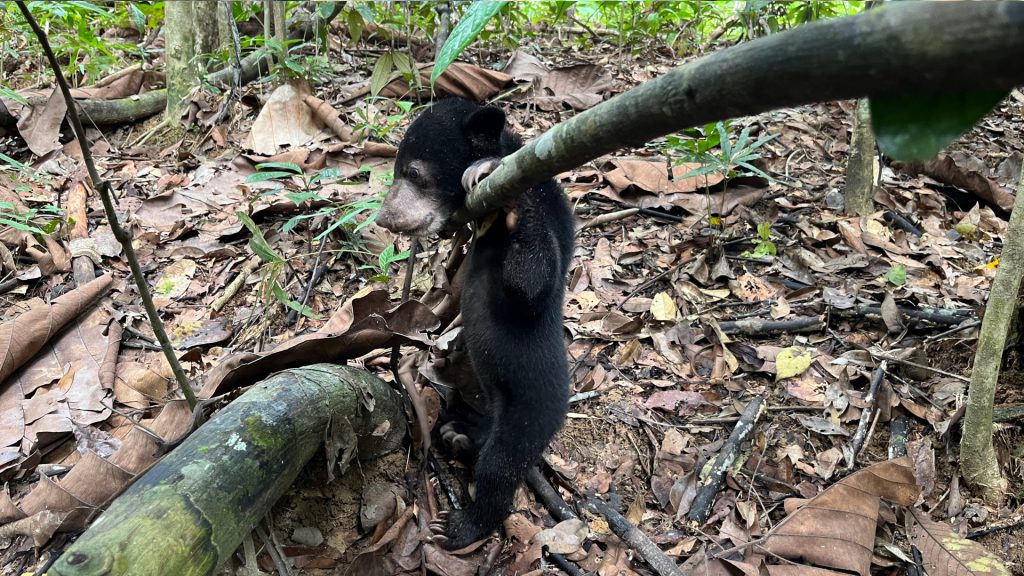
(189, 513)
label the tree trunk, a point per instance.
(179, 52)
(977, 455)
(859, 192)
(189, 513)
(207, 31)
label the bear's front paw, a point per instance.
(455, 530)
(477, 171)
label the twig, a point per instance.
(637, 540)
(564, 563)
(123, 236)
(314, 278)
(953, 330)
(761, 327)
(408, 384)
(947, 316)
(609, 217)
(883, 356)
(701, 507)
(547, 494)
(865, 417)
(1014, 520)
(236, 284)
(271, 546)
(898, 437)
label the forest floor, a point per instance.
(660, 371)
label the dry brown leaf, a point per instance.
(138, 448)
(959, 172)
(27, 333)
(581, 86)
(40, 125)
(92, 482)
(837, 528)
(364, 323)
(459, 79)
(40, 526)
(139, 384)
(445, 564)
(566, 537)
(946, 553)
(652, 176)
(285, 121)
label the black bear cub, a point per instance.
(511, 300)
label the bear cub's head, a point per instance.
(443, 141)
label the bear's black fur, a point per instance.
(511, 300)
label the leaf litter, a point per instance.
(669, 315)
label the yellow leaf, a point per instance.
(791, 362)
(663, 308)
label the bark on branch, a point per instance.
(900, 48)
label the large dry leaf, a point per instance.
(285, 121)
(959, 172)
(364, 323)
(74, 378)
(209, 192)
(652, 176)
(836, 529)
(581, 86)
(39, 120)
(67, 505)
(40, 125)
(946, 553)
(459, 79)
(27, 333)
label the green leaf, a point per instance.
(355, 25)
(381, 73)
(897, 275)
(268, 175)
(6, 92)
(137, 17)
(325, 174)
(20, 225)
(283, 298)
(258, 242)
(468, 28)
(917, 127)
(51, 226)
(289, 166)
(385, 257)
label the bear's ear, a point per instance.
(484, 126)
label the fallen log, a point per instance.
(188, 513)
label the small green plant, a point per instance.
(42, 221)
(732, 159)
(275, 264)
(295, 62)
(353, 216)
(764, 247)
(370, 126)
(390, 65)
(689, 145)
(382, 268)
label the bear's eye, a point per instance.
(412, 173)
